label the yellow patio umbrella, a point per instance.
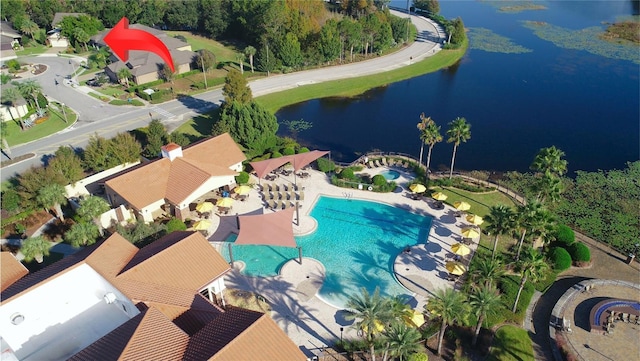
(460, 249)
(461, 206)
(455, 268)
(417, 319)
(439, 196)
(202, 225)
(242, 190)
(204, 207)
(469, 233)
(378, 324)
(475, 220)
(224, 202)
(417, 188)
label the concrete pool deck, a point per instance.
(309, 321)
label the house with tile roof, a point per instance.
(145, 66)
(177, 179)
(113, 301)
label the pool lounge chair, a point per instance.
(377, 163)
(384, 162)
(271, 204)
(370, 164)
(301, 196)
(292, 196)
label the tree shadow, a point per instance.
(200, 106)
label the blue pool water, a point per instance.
(357, 241)
(390, 175)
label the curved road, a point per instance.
(107, 120)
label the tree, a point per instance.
(402, 340)
(236, 89)
(91, 208)
(124, 74)
(156, 138)
(167, 74)
(526, 216)
(330, 42)
(266, 61)
(483, 301)
(450, 306)
(124, 149)
(35, 248)
(82, 234)
(250, 52)
(4, 133)
(98, 59)
(10, 97)
(487, 270)
(81, 36)
(351, 32)
(32, 180)
(52, 196)
(500, 221)
(370, 311)
(548, 188)
(29, 89)
(250, 125)
(67, 164)
(429, 134)
(532, 267)
(205, 60)
(29, 27)
(432, 6)
(549, 161)
(459, 34)
(97, 154)
(459, 132)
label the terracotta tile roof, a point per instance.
(241, 334)
(148, 336)
(176, 180)
(191, 263)
(111, 256)
(171, 146)
(12, 270)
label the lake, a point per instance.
(583, 103)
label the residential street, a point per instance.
(107, 120)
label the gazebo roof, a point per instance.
(272, 229)
(298, 161)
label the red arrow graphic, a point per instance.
(121, 39)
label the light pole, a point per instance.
(65, 113)
(341, 329)
(73, 69)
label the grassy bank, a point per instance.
(356, 86)
(54, 124)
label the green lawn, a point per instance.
(480, 202)
(54, 124)
(511, 343)
(32, 50)
(99, 96)
(111, 90)
(222, 53)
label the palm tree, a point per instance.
(450, 306)
(548, 187)
(249, 52)
(402, 340)
(484, 301)
(35, 248)
(52, 195)
(431, 136)
(82, 234)
(532, 266)
(82, 36)
(4, 133)
(240, 59)
(125, 74)
(449, 28)
(30, 89)
(400, 310)
(92, 208)
(542, 227)
(525, 217)
(10, 97)
(487, 270)
(549, 161)
(500, 221)
(29, 27)
(370, 311)
(424, 121)
(459, 132)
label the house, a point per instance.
(54, 36)
(9, 40)
(144, 66)
(18, 110)
(177, 179)
(113, 301)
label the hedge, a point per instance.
(565, 235)
(176, 225)
(288, 151)
(560, 258)
(242, 178)
(580, 252)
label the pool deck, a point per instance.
(309, 321)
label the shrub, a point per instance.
(276, 154)
(579, 252)
(325, 165)
(379, 180)
(10, 200)
(303, 150)
(288, 151)
(242, 178)
(176, 225)
(418, 357)
(42, 100)
(347, 173)
(560, 258)
(41, 120)
(565, 235)
(13, 64)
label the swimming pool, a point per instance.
(357, 241)
(390, 174)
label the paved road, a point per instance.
(107, 120)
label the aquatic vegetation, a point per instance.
(515, 6)
(587, 39)
(487, 40)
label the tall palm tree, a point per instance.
(431, 136)
(421, 128)
(240, 59)
(249, 52)
(369, 311)
(29, 27)
(402, 340)
(92, 207)
(549, 161)
(542, 227)
(500, 221)
(52, 196)
(125, 74)
(487, 270)
(532, 266)
(484, 301)
(30, 89)
(450, 306)
(459, 132)
(4, 133)
(82, 234)
(548, 187)
(400, 310)
(523, 217)
(10, 97)
(35, 248)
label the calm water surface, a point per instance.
(585, 104)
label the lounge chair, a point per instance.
(280, 205)
(377, 163)
(370, 164)
(269, 187)
(292, 196)
(271, 204)
(285, 188)
(301, 195)
(384, 162)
